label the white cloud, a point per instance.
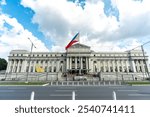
(2, 2)
(59, 19)
(16, 37)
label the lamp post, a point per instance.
(144, 59)
(29, 59)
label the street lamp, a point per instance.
(29, 58)
(146, 67)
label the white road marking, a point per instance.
(128, 90)
(139, 95)
(14, 88)
(65, 90)
(60, 95)
(32, 95)
(6, 91)
(45, 84)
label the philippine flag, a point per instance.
(74, 40)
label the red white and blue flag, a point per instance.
(74, 40)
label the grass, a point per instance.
(22, 83)
(138, 82)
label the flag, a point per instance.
(74, 40)
(39, 68)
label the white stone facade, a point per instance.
(78, 58)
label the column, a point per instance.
(8, 66)
(133, 66)
(109, 65)
(113, 64)
(99, 66)
(87, 63)
(147, 66)
(67, 65)
(75, 62)
(127, 68)
(18, 66)
(122, 65)
(104, 66)
(142, 65)
(57, 66)
(138, 66)
(81, 63)
(13, 69)
(23, 67)
(52, 66)
(118, 70)
(70, 63)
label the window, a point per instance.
(31, 68)
(50, 69)
(54, 69)
(46, 69)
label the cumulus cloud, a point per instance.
(2, 2)
(14, 36)
(59, 20)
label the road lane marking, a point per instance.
(128, 90)
(32, 95)
(139, 95)
(18, 88)
(65, 90)
(60, 95)
(6, 91)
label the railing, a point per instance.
(85, 83)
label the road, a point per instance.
(81, 92)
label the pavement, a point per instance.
(80, 92)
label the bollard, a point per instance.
(114, 95)
(32, 95)
(73, 95)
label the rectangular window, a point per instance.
(32, 69)
(54, 69)
(45, 69)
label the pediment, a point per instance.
(78, 45)
(76, 48)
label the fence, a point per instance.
(85, 83)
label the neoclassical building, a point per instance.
(78, 59)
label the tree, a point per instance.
(3, 64)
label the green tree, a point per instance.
(3, 64)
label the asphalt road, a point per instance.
(81, 92)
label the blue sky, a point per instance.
(102, 24)
(24, 16)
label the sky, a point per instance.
(104, 25)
